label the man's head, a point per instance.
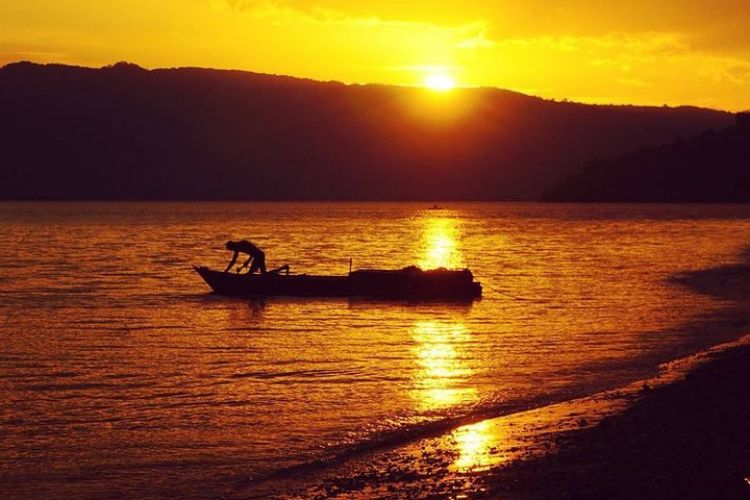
(231, 245)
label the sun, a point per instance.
(439, 82)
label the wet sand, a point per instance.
(683, 434)
(688, 439)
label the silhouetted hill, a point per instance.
(713, 167)
(122, 132)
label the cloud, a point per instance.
(628, 51)
(649, 64)
(286, 11)
(641, 44)
(10, 55)
(634, 82)
(478, 41)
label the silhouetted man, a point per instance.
(254, 253)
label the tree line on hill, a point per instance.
(711, 167)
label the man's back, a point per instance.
(245, 246)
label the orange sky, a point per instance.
(639, 51)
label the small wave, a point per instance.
(406, 431)
(296, 373)
(80, 386)
(413, 431)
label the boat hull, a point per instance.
(410, 283)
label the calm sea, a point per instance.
(121, 374)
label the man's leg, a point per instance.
(278, 270)
(259, 264)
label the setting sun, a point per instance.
(439, 83)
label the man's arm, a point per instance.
(247, 262)
(234, 259)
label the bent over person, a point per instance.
(254, 254)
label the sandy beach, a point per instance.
(682, 434)
(687, 439)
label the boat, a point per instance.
(408, 283)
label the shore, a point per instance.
(687, 439)
(683, 434)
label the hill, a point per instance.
(712, 167)
(123, 132)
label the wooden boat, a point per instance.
(407, 283)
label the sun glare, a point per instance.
(439, 82)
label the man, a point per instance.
(254, 253)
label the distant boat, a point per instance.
(407, 283)
(435, 207)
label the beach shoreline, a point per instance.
(685, 439)
(679, 434)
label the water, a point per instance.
(120, 374)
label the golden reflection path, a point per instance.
(443, 375)
(441, 243)
(476, 445)
(444, 379)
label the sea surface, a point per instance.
(120, 374)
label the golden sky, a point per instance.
(636, 51)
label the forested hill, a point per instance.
(122, 132)
(712, 167)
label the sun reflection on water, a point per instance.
(443, 373)
(441, 240)
(475, 444)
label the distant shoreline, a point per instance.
(709, 168)
(384, 200)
